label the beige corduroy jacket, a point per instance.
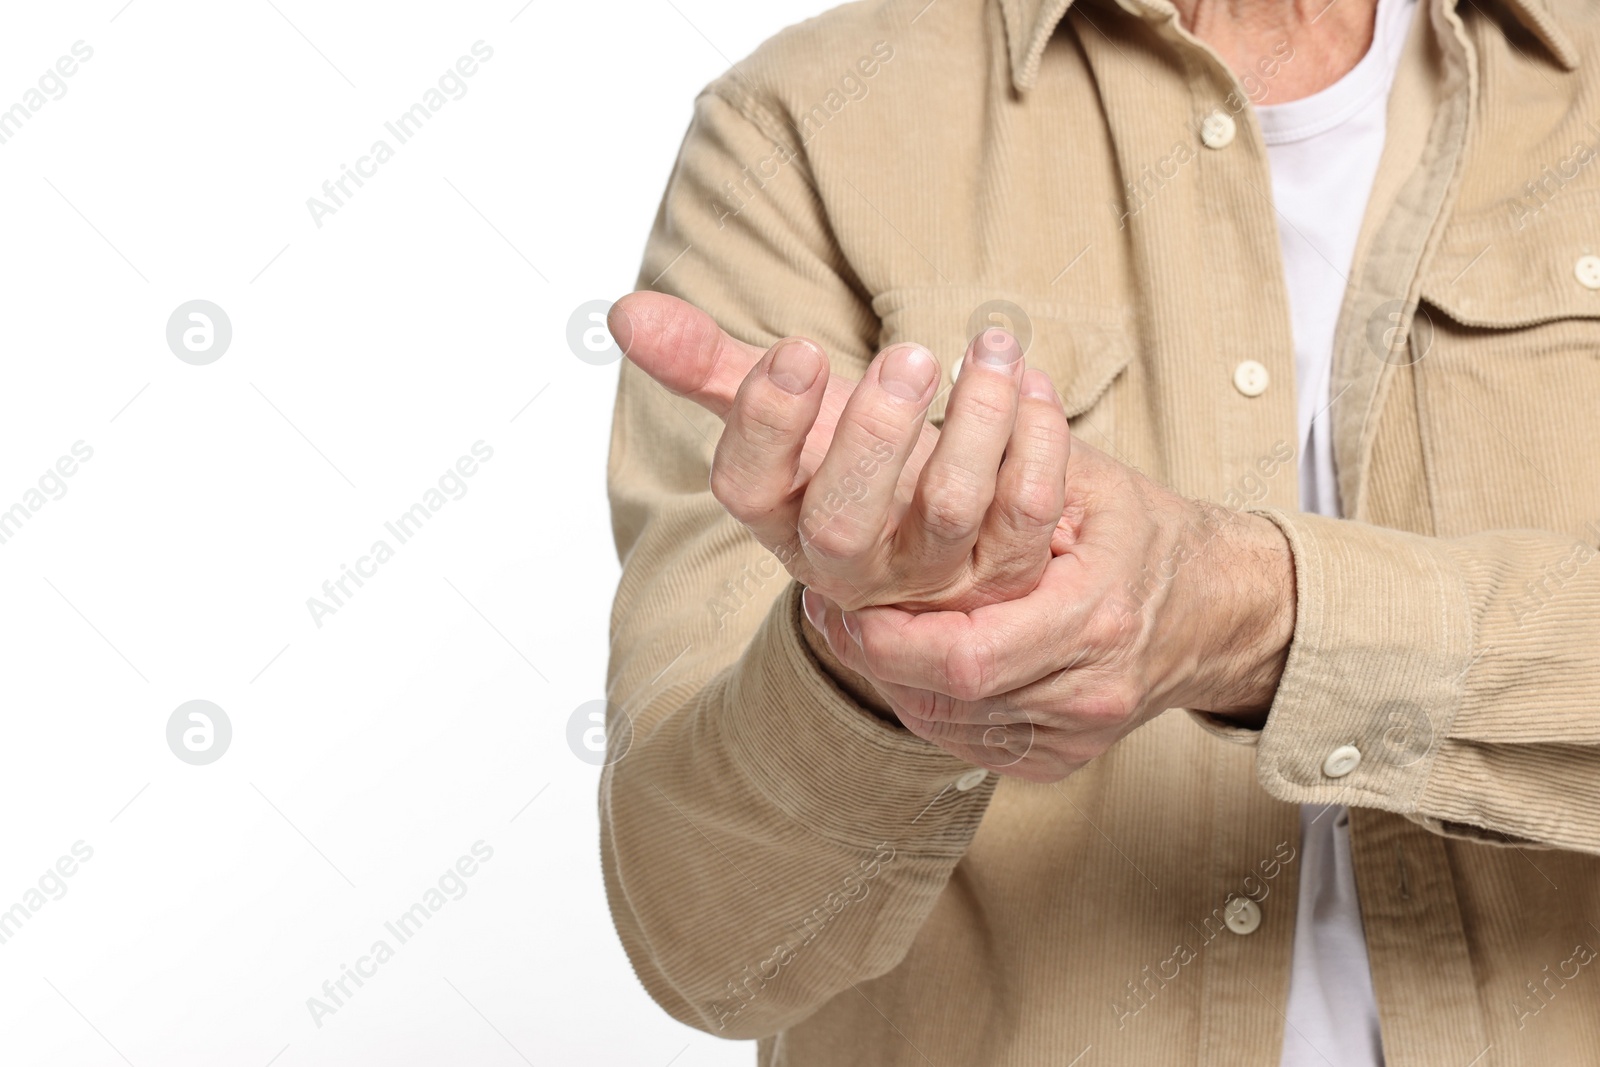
(784, 865)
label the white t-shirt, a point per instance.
(1323, 151)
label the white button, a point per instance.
(1242, 915)
(1341, 761)
(1217, 130)
(955, 369)
(971, 778)
(1588, 271)
(1250, 378)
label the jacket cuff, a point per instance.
(1376, 669)
(830, 764)
(1227, 731)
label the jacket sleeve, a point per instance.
(767, 841)
(1465, 672)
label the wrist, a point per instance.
(1248, 628)
(858, 687)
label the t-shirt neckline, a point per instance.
(1326, 109)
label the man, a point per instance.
(895, 647)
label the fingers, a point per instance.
(1030, 490)
(992, 734)
(985, 652)
(852, 452)
(958, 483)
(756, 474)
(928, 715)
(844, 518)
(681, 347)
(685, 350)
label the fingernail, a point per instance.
(795, 366)
(811, 603)
(908, 372)
(996, 348)
(1036, 383)
(852, 627)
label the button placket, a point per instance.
(1218, 129)
(1250, 378)
(1242, 915)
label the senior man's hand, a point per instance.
(1025, 662)
(846, 484)
(1158, 602)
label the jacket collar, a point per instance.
(1029, 24)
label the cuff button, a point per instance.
(971, 779)
(1341, 761)
(1587, 270)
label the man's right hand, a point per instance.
(846, 484)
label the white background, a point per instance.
(428, 313)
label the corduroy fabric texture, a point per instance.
(782, 864)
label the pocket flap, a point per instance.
(1519, 265)
(1082, 348)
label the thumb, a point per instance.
(682, 347)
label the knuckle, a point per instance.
(1115, 623)
(952, 507)
(987, 406)
(746, 493)
(968, 665)
(1130, 697)
(1046, 430)
(1036, 500)
(830, 541)
(729, 487)
(766, 422)
(1108, 707)
(879, 431)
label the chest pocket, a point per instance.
(1084, 349)
(1507, 351)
